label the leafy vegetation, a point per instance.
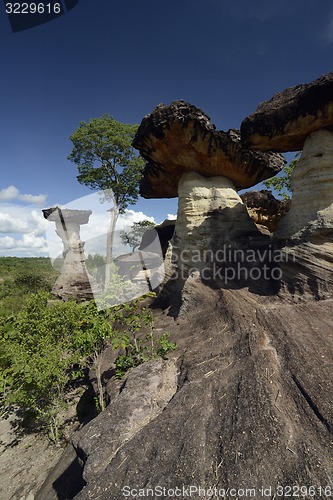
(47, 346)
(107, 161)
(282, 183)
(19, 277)
(96, 266)
(133, 236)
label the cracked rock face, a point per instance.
(252, 407)
(180, 138)
(284, 122)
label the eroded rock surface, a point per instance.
(211, 214)
(264, 209)
(248, 403)
(74, 281)
(253, 405)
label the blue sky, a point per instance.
(124, 58)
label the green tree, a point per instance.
(106, 160)
(133, 236)
(282, 183)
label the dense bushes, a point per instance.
(45, 347)
(21, 276)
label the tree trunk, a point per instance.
(109, 244)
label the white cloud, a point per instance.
(9, 224)
(39, 199)
(11, 193)
(21, 224)
(29, 244)
(129, 217)
(171, 217)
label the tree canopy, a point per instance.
(133, 236)
(106, 159)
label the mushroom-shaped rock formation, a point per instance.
(302, 118)
(73, 281)
(179, 138)
(283, 123)
(187, 157)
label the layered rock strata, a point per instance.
(312, 184)
(211, 215)
(302, 118)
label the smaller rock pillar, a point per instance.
(74, 281)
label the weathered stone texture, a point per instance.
(284, 122)
(147, 391)
(180, 138)
(264, 209)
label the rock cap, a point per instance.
(284, 122)
(180, 138)
(56, 214)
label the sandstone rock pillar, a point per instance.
(312, 184)
(74, 281)
(211, 215)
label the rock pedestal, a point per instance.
(210, 215)
(212, 233)
(312, 184)
(74, 281)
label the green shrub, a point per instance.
(43, 351)
(46, 346)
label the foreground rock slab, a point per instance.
(253, 407)
(147, 391)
